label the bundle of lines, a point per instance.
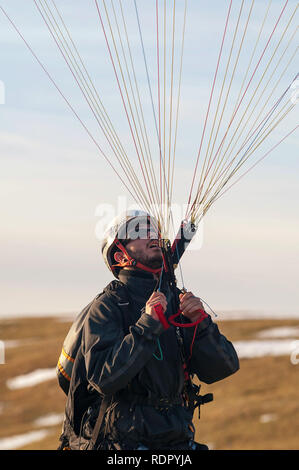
(242, 110)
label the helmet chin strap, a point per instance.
(131, 262)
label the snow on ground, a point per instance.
(253, 315)
(272, 345)
(21, 440)
(268, 418)
(51, 419)
(33, 378)
(16, 343)
(260, 348)
(245, 349)
(280, 332)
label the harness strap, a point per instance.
(195, 400)
(98, 425)
(131, 261)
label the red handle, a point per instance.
(160, 314)
(188, 325)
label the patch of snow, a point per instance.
(21, 440)
(16, 343)
(252, 315)
(267, 418)
(280, 332)
(49, 420)
(12, 343)
(31, 379)
(261, 348)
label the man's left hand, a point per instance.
(191, 306)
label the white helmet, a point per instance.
(123, 227)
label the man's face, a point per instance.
(143, 244)
(146, 251)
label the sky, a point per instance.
(54, 182)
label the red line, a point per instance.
(192, 343)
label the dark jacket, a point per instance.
(140, 366)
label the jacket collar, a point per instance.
(140, 284)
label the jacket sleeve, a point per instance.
(112, 358)
(213, 357)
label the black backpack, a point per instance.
(73, 339)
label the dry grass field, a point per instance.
(257, 408)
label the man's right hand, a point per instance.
(155, 298)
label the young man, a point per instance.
(130, 385)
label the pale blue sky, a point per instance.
(52, 178)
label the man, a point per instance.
(130, 384)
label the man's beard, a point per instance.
(153, 262)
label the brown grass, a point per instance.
(266, 385)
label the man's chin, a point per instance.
(155, 263)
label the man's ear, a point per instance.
(119, 257)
